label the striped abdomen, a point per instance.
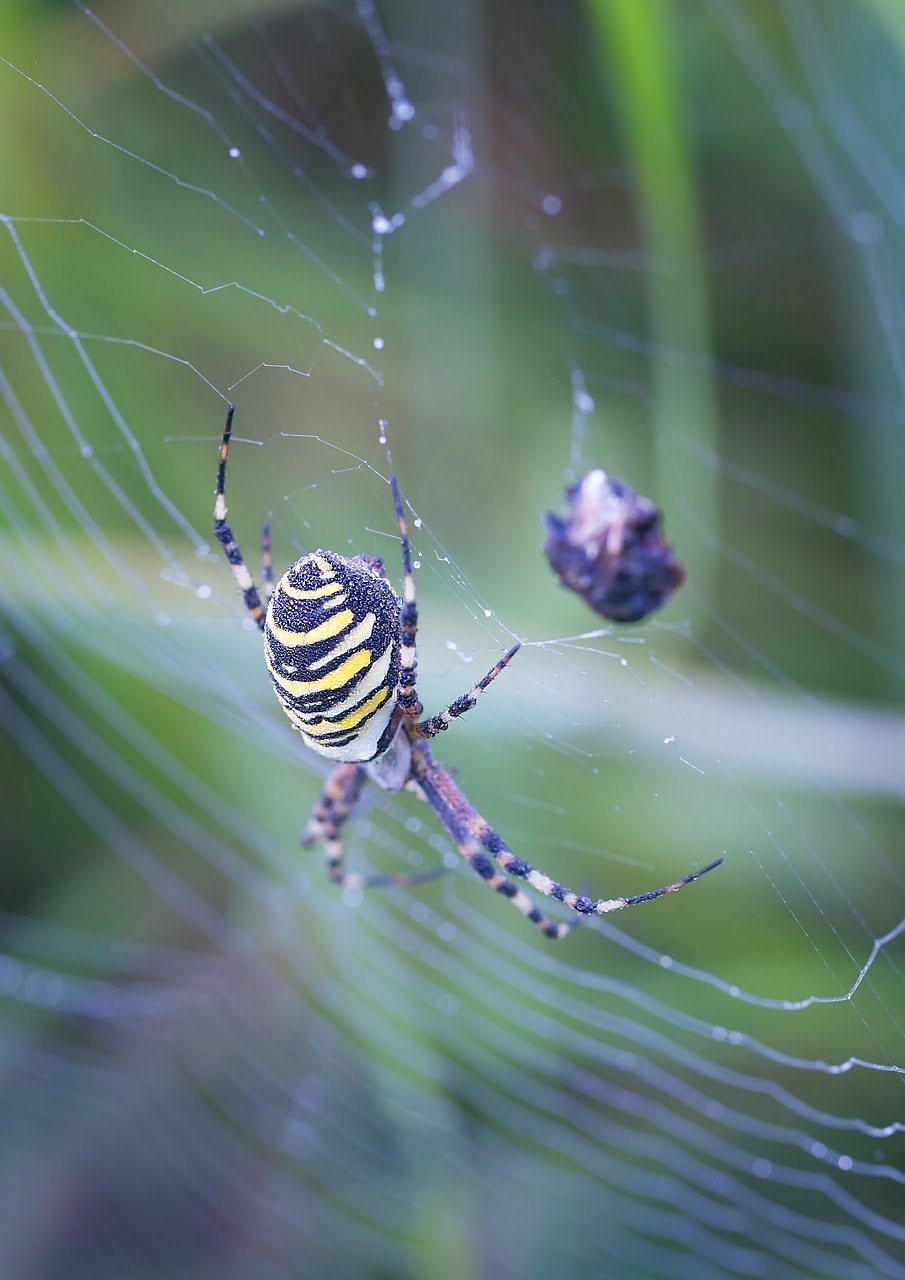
(331, 642)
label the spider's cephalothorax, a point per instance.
(331, 643)
(341, 650)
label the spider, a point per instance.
(340, 648)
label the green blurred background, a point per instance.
(662, 238)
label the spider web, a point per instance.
(431, 231)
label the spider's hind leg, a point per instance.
(473, 835)
(335, 803)
(334, 808)
(458, 818)
(480, 862)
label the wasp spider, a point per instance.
(340, 648)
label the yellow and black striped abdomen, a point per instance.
(331, 642)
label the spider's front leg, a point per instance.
(437, 724)
(225, 537)
(407, 694)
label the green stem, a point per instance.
(638, 42)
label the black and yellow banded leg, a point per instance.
(436, 724)
(224, 533)
(342, 789)
(483, 865)
(337, 801)
(479, 861)
(407, 695)
(468, 828)
(441, 794)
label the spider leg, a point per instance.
(224, 533)
(471, 832)
(332, 811)
(436, 724)
(338, 781)
(266, 560)
(408, 672)
(447, 803)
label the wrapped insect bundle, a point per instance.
(609, 549)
